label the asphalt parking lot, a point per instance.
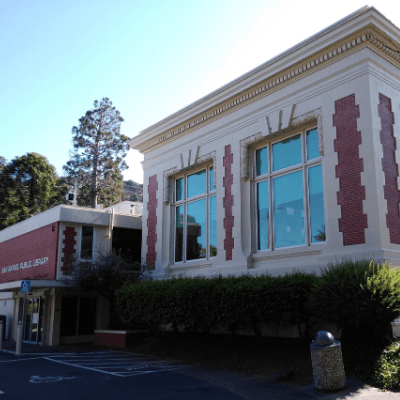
(99, 375)
(112, 374)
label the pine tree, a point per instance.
(98, 156)
(3, 163)
(27, 187)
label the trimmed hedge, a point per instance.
(201, 304)
(361, 298)
(387, 372)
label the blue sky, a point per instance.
(150, 57)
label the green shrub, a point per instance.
(201, 304)
(361, 298)
(387, 373)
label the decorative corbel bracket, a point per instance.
(186, 161)
(167, 174)
(276, 122)
(315, 115)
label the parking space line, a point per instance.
(80, 366)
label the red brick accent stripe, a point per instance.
(68, 248)
(348, 170)
(229, 243)
(152, 222)
(390, 168)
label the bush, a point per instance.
(387, 373)
(202, 304)
(361, 298)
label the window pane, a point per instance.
(87, 242)
(196, 230)
(179, 189)
(286, 153)
(289, 210)
(317, 218)
(262, 161)
(211, 179)
(196, 183)
(263, 215)
(312, 145)
(178, 233)
(213, 226)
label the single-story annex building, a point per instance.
(292, 165)
(41, 249)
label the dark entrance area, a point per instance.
(78, 318)
(128, 243)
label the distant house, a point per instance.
(42, 248)
(291, 165)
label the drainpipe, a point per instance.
(110, 227)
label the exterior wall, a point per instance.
(385, 87)
(45, 249)
(32, 255)
(7, 309)
(343, 97)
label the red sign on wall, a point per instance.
(32, 255)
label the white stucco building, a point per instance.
(291, 165)
(41, 249)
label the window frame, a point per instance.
(303, 166)
(207, 195)
(81, 243)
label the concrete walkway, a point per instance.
(244, 386)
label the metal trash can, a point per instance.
(327, 363)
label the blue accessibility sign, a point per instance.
(25, 286)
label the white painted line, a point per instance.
(86, 359)
(124, 374)
(142, 365)
(23, 359)
(89, 355)
(8, 351)
(116, 362)
(80, 366)
(46, 379)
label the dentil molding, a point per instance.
(266, 86)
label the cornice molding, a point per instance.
(266, 86)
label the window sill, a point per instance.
(191, 265)
(285, 253)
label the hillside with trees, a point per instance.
(132, 191)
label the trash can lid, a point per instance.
(324, 338)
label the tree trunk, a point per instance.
(94, 177)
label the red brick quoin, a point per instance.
(68, 249)
(348, 170)
(32, 255)
(152, 222)
(229, 243)
(390, 168)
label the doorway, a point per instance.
(34, 320)
(78, 319)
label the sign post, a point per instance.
(25, 288)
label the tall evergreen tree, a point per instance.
(98, 156)
(3, 162)
(27, 187)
